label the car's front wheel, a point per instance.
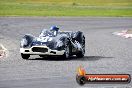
(67, 50)
(25, 56)
(80, 54)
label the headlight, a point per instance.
(24, 42)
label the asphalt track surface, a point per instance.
(105, 53)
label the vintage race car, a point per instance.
(59, 43)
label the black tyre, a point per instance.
(67, 52)
(80, 54)
(25, 56)
(67, 49)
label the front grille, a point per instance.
(39, 49)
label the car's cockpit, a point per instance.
(46, 32)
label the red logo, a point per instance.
(83, 78)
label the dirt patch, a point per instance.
(3, 51)
(124, 33)
(129, 31)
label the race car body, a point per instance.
(50, 42)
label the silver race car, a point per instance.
(53, 42)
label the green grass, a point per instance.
(66, 8)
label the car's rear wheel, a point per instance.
(25, 56)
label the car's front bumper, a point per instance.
(41, 50)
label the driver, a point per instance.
(54, 30)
